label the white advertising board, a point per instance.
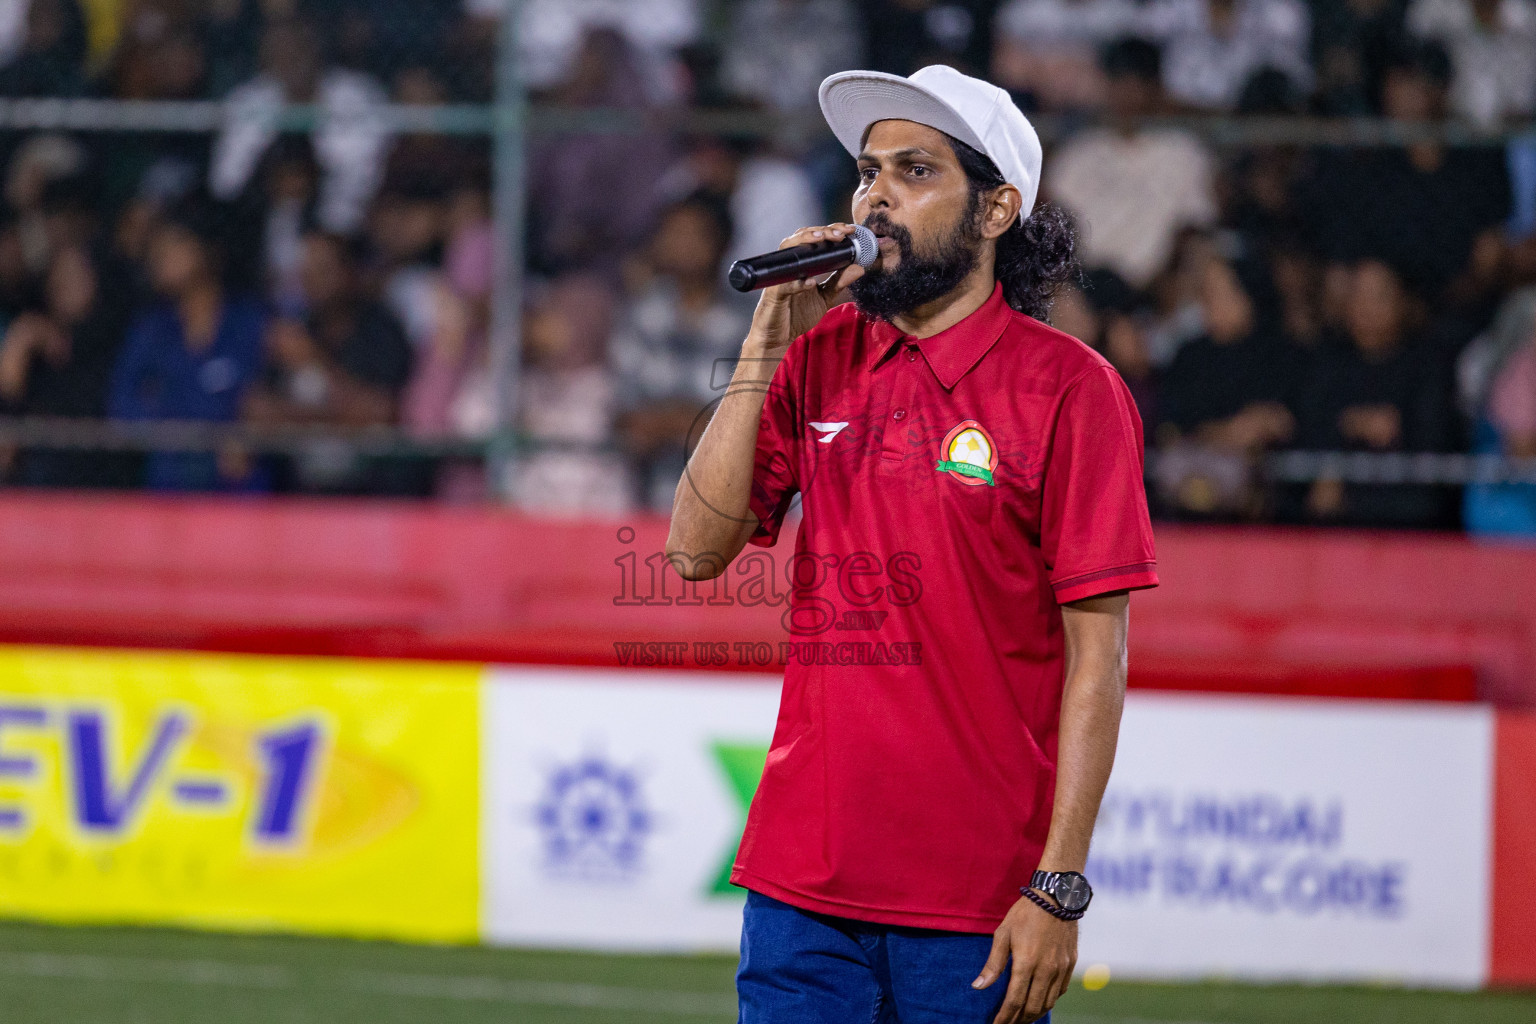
(1295, 839)
(1247, 837)
(613, 801)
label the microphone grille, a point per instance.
(866, 247)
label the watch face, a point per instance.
(1073, 892)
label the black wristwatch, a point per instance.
(1069, 889)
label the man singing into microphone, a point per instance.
(915, 848)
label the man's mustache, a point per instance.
(883, 225)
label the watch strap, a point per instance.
(1049, 907)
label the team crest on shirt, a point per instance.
(969, 455)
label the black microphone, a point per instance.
(800, 261)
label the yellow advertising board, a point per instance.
(300, 794)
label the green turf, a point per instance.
(142, 976)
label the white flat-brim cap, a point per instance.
(977, 113)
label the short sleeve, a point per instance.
(774, 483)
(1095, 531)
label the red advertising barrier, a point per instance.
(1352, 599)
(1268, 611)
(1512, 949)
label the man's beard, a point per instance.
(917, 280)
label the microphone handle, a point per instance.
(799, 261)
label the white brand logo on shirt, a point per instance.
(831, 430)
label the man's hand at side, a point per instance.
(1043, 947)
(1044, 952)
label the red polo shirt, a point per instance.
(956, 491)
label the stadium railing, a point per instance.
(510, 121)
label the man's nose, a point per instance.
(876, 195)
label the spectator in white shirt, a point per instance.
(1132, 189)
(678, 337)
(593, 194)
(1211, 48)
(351, 141)
(1048, 50)
(13, 28)
(770, 196)
(1492, 44)
(778, 51)
(551, 34)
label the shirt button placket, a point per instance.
(895, 447)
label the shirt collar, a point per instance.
(951, 353)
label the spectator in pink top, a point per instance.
(1512, 404)
(568, 404)
(449, 392)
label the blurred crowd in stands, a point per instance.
(1378, 299)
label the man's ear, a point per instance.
(1002, 211)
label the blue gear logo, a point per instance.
(594, 821)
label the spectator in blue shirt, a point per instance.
(192, 356)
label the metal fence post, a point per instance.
(509, 205)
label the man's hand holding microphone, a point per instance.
(802, 280)
(711, 520)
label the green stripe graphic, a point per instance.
(742, 765)
(967, 469)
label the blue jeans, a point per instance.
(799, 967)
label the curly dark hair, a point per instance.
(1037, 254)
